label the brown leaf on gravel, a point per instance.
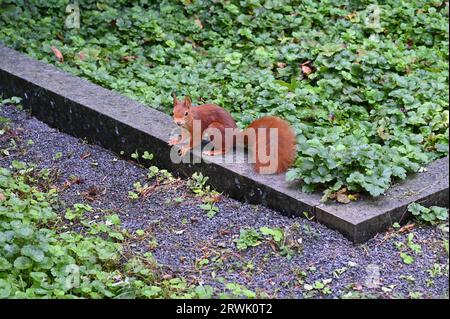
(216, 198)
(69, 182)
(152, 245)
(85, 155)
(357, 287)
(342, 198)
(66, 185)
(406, 228)
(273, 245)
(224, 232)
(221, 244)
(58, 54)
(147, 191)
(93, 192)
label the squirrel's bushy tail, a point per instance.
(277, 156)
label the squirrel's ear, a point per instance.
(187, 102)
(175, 100)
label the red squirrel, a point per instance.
(214, 116)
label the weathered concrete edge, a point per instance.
(83, 109)
(385, 213)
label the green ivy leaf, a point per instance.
(22, 263)
(33, 252)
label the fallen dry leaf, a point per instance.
(81, 56)
(60, 37)
(147, 191)
(215, 198)
(58, 54)
(382, 134)
(199, 23)
(351, 16)
(128, 58)
(85, 155)
(406, 228)
(224, 232)
(357, 287)
(92, 193)
(332, 196)
(273, 245)
(306, 70)
(68, 183)
(331, 116)
(342, 198)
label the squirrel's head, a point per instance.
(182, 111)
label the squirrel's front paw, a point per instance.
(174, 141)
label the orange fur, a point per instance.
(286, 142)
(213, 116)
(210, 116)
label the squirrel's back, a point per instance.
(211, 113)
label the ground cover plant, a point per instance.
(365, 85)
(52, 250)
(44, 254)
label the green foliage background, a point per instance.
(374, 109)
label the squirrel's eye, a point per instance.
(186, 114)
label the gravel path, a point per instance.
(189, 244)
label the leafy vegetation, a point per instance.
(275, 237)
(364, 85)
(408, 248)
(198, 185)
(432, 215)
(45, 255)
(320, 286)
